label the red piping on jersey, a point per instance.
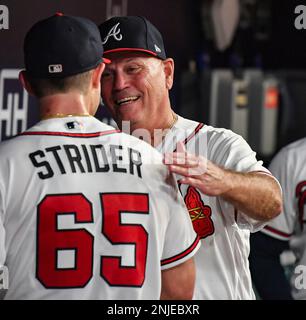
(280, 233)
(67, 134)
(181, 255)
(196, 130)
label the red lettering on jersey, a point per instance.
(200, 214)
(300, 193)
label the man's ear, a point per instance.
(169, 72)
(25, 83)
(96, 77)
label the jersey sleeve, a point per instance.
(181, 241)
(282, 226)
(234, 153)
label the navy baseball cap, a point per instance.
(62, 46)
(132, 33)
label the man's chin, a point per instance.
(127, 121)
(131, 115)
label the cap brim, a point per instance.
(105, 60)
(132, 49)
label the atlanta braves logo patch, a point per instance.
(200, 214)
(113, 32)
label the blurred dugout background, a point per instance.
(240, 64)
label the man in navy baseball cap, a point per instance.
(63, 54)
(132, 33)
(136, 49)
(62, 46)
(222, 182)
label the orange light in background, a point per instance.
(272, 98)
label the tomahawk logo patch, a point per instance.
(200, 214)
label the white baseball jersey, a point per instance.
(222, 267)
(88, 213)
(289, 167)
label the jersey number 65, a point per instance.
(51, 240)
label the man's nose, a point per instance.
(120, 81)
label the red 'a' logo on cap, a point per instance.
(200, 214)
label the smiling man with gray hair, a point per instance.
(227, 191)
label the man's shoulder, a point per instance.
(212, 137)
(293, 152)
(149, 154)
(184, 123)
(222, 137)
(296, 146)
(221, 132)
(11, 143)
